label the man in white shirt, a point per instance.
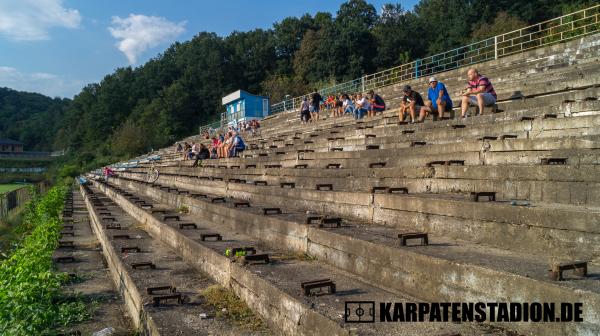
(362, 107)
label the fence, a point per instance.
(32, 155)
(13, 199)
(560, 29)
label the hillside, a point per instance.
(135, 109)
(31, 118)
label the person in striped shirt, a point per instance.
(479, 92)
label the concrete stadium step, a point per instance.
(488, 152)
(488, 147)
(392, 137)
(139, 263)
(566, 229)
(446, 269)
(470, 125)
(512, 112)
(355, 160)
(507, 96)
(273, 289)
(551, 183)
(86, 265)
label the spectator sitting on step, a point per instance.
(108, 173)
(213, 147)
(479, 92)
(347, 104)
(186, 149)
(362, 107)
(178, 148)
(194, 151)
(377, 104)
(203, 154)
(221, 146)
(226, 145)
(305, 111)
(315, 106)
(438, 99)
(237, 145)
(412, 102)
(330, 104)
(339, 103)
(255, 125)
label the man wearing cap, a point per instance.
(438, 99)
(412, 102)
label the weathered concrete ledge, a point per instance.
(552, 230)
(281, 311)
(426, 277)
(123, 282)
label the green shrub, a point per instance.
(69, 170)
(29, 287)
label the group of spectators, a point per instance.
(221, 146)
(479, 92)
(357, 105)
(247, 126)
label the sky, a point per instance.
(56, 47)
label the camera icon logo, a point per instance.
(359, 312)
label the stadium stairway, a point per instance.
(501, 197)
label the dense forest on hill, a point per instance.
(31, 118)
(135, 109)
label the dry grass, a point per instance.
(235, 309)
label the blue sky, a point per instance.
(55, 47)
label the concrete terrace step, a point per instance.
(491, 151)
(448, 269)
(88, 266)
(171, 317)
(553, 184)
(446, 128)
(496, 223)
(513, 111)
(273, 289)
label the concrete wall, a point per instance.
(12, 202)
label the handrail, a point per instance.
(560, 29)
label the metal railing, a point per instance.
(560, 29)
(210, 128)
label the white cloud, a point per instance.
(30, 20)
(40, 82)
(138, 33)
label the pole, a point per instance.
(362, 83)
(496, 47)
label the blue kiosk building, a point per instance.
(243, 106)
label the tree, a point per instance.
(503, 23)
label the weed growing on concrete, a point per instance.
(228, 305)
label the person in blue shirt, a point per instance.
(237, 145)
(438, 99)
